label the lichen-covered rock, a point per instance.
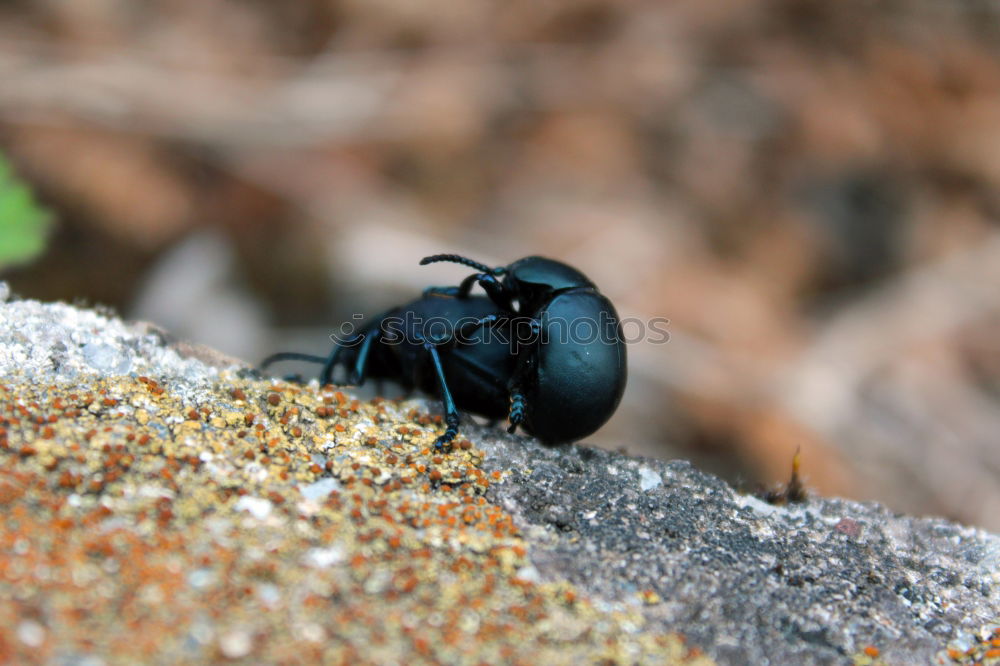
(827, 581)
(158, 508)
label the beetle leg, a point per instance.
(461, 291)
(490, 284)
(357, 376)
(466, 285)
(517, 407)
(326, 374)
(450, 410)
(463, 333)
(441, 291)
(289, 356)
(327, 361)
(493, 288)
(526, 362)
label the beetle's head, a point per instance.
(534, 279)
(531, 280)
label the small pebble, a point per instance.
(235, 644)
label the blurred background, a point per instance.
(807, 189)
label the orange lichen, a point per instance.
(373, 544)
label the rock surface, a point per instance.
(148, 493)
(816, 582)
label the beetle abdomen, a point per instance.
(581, 366)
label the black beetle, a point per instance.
(437, 343)
(571, 369)
(520, 352)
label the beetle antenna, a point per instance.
(458, 259)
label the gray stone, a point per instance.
(58, 343)
(751, 583)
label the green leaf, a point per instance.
(24, 223)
